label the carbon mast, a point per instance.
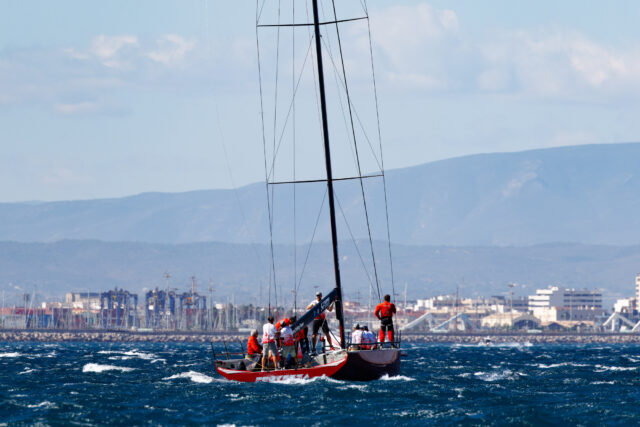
(327, 156)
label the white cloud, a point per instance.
(77, 80)
(171, 49)
(564, 64)
(108, 49)
(419, 43)
(425, 48)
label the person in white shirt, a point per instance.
(320, 322)
(288, 345)
(356, 337)
(368, 337)
(269, 336)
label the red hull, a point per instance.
(271, 376)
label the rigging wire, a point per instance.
(289, 111)
(293, 126)
(355, 244)
(339, 83)
(313, 235)
(355, 144)
(272, 267)
(353, 107)
(384, 179)
(275, 123)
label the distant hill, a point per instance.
(587, 194)
(242, 269)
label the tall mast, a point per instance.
(327, 157)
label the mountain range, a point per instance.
(584, 194)
(564, 216)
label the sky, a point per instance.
(109, 99)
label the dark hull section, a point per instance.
(369, 365)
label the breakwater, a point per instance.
(460, 338)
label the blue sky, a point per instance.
(106, 99)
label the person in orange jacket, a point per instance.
(254, 349)
(384, 312)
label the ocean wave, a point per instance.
(360, 387)
(27, 371)
(507, 374)
(46, 404)
(129, 354)
(11, 354)
(97, 368)
(604, 368)
(293, 380)
(386, 377)
(513, 344)
(194, 376)
(560, 365)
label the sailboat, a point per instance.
(343, 362)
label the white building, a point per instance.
(83, 300)
(558, 303)
(625, 305)
(638, 287)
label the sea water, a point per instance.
(166, 383)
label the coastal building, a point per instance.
(510, 320)
(638, 287)
(504, 304)
(561, 304)
(84, 300)
(625, 306)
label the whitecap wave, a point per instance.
(560, 365)
(604, 368)
(513, 344)
(45, 404)
(507, 374)
(11, 354)
(125, 355)
(293, 380)
(386, 377)
(97, 368)
(26, 371)
(194, 376)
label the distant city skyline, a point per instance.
(112, 99)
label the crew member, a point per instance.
(269, 337)
(254, 349)
(303, 339)
(320, 322)
(368, 338)
(384, 312)
(288, 346)
(356, 337)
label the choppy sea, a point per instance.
(152, 383)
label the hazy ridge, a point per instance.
(241, 269)
(586, 194)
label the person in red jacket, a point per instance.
(254, 349)
(385, 311)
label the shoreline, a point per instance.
(234, 337)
